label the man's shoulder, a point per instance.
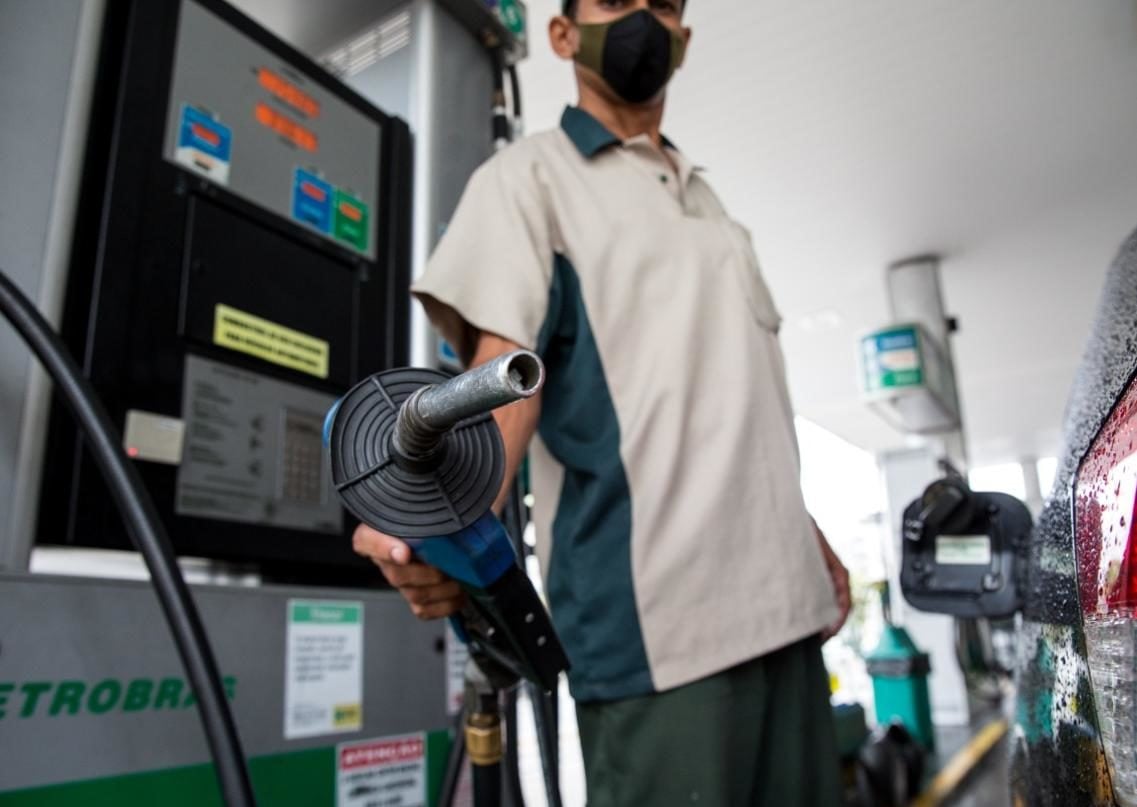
(531, 152)
(540, 143)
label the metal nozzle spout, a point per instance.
(426, 416)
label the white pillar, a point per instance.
(56, 53)
(906, 475)
(1035, 495)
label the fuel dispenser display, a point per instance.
(250, 261)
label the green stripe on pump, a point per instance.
(294, 779)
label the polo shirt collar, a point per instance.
(586, 133)
(590, 136)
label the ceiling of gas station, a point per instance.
(847, 136)
(316, 27)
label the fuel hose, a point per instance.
(149, 537)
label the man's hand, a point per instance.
(840, 577)
(430, 593)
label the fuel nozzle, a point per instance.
(432, 411)
(417, 455)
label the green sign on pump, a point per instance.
(351, 220)
(512, 16)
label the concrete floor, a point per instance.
(989, 784)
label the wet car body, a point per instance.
(1058, 756)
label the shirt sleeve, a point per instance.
(492, 269)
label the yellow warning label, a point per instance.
(349, 715)
(266, 340)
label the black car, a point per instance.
(1073, 578)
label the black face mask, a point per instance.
(636, 54)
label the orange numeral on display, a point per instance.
(288, 129)
(288, 92)
(208, 135)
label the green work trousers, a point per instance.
(757, 735)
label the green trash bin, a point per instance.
(899, 674)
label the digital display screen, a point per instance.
(247, 119)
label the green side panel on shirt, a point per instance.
(591, 589)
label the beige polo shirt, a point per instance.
(670, 520)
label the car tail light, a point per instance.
(1106, 545)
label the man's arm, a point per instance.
(840, 577)
(430, 593)
(517, 422)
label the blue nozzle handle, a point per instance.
(477, 556)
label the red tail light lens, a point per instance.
(1105, 497)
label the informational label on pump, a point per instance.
(253, 450)
(323, 684)
(390, 772)
(963, 550)
(204, 145)
(238, 330)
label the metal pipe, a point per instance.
(430, 412)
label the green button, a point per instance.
(512, 16)
(352, 221)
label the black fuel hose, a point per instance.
(149, 538)
(487, 785)
(515, 91)
(502, 132)
(512, 762)
(454, 761)
(547, 736)
(512, 520)
(545, 719)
